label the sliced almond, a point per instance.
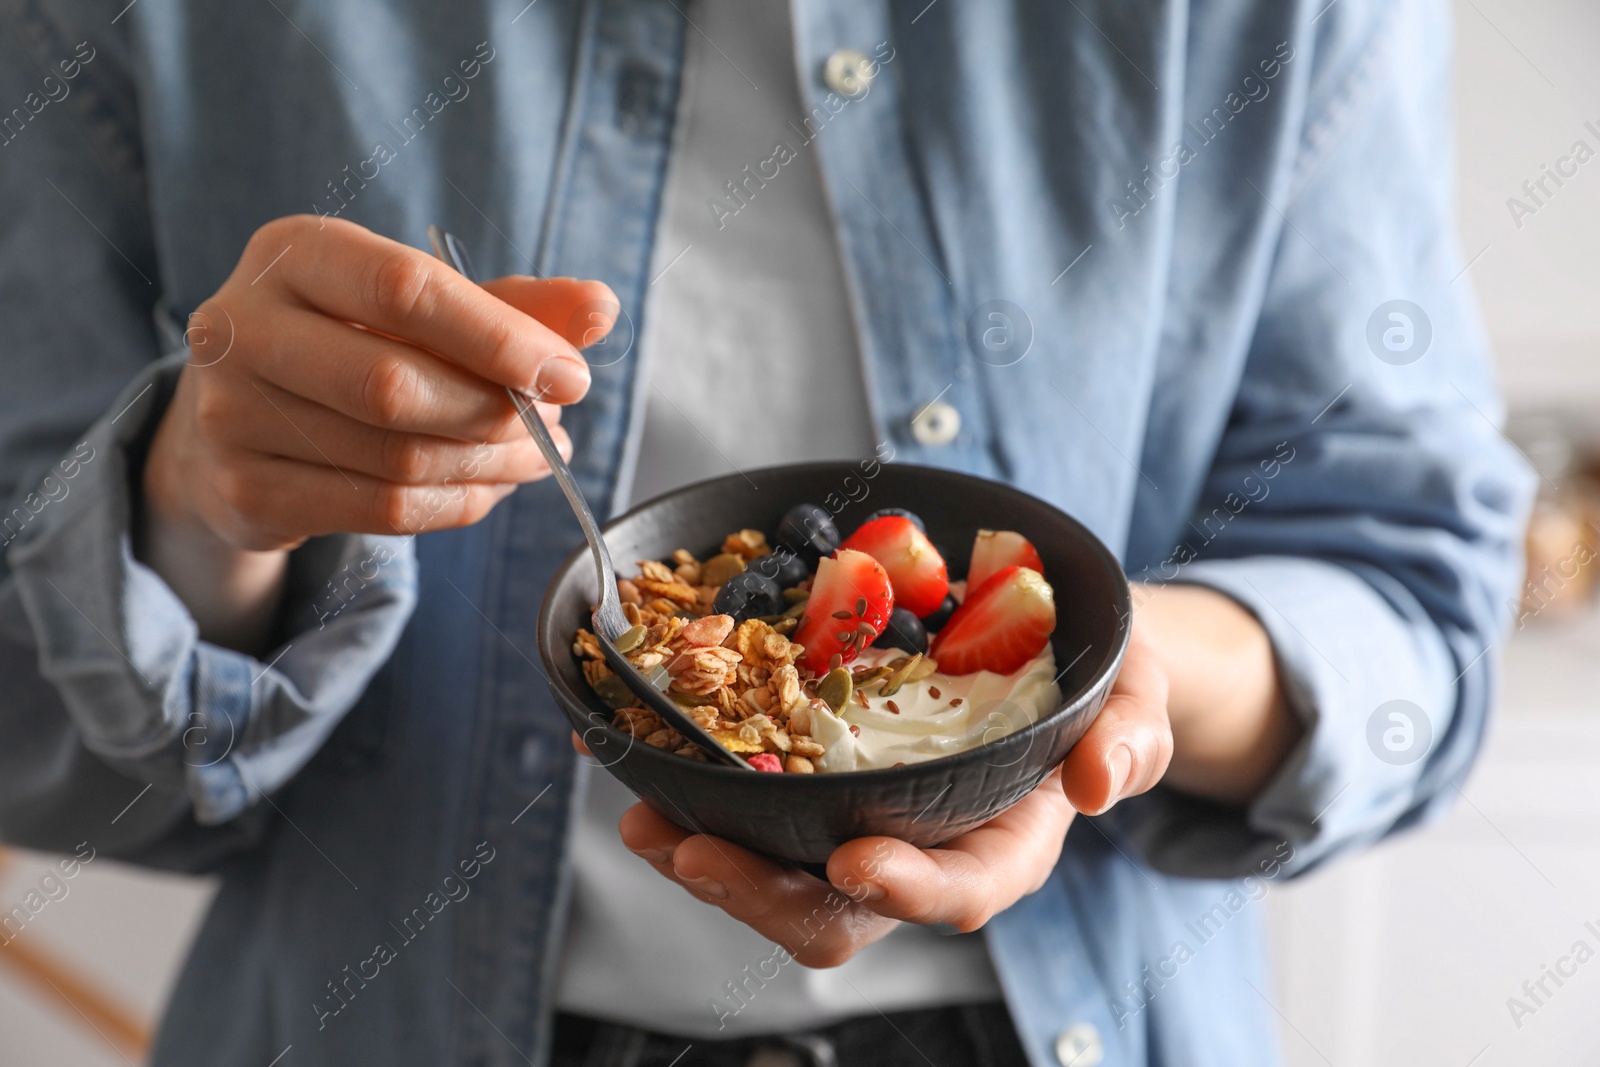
(720, 568)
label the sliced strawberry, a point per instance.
(850, 591)
(916, 570)
(995, 550)
(999, 627)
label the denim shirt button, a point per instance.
(1079, 1046)
(936, 424)
(849, 72)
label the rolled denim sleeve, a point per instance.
(119, 724)
(1362, 502)
(142, 690)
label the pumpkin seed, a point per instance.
(835, 688)
(870, 675)
(615, 693)
(903, 669)
(630, 639)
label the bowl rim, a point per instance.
(1108, 668)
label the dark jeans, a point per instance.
(968, 1036)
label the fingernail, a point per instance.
(870, 891)
(708, 886)
(561, 376)
(652, 855)
(1118, 764)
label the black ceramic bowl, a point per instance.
(803, 817)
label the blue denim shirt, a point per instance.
(1193, 217)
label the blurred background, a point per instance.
(1411, 954)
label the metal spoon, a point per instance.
(609, 621)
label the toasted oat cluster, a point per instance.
(739, 681)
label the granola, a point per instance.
(760, 646)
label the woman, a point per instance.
(273, 564)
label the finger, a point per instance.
(814, 922)
(265, 502)
(280, 424)
(349, 272)
(578, 746)
(970, 879)
(1127, 749)
(651, 836)
(581, 311)
(376, 379)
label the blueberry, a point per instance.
(902, 512)
(748, 596)
(905, 632)
(783, 566)
(941, 614)
(808, 530)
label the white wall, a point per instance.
(1409, 955)
(1527, 83)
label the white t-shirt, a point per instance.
(751, 361)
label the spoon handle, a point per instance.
(609, 621)
(608, 617)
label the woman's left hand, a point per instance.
(877, 882)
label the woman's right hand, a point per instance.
(343, 382)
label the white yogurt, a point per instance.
(990, 707)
